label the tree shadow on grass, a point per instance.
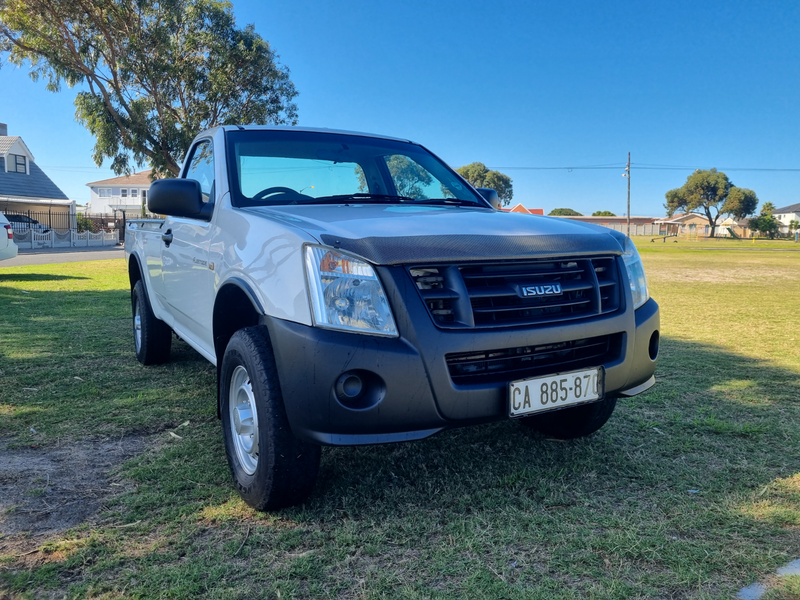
(21, 277)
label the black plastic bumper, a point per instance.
(405, 389)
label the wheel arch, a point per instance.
(235, 307)
(134, 270)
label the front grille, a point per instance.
(519, 293)
(508, 364)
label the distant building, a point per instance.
(786, 215)
(695, 225)
(128, 193)
(24, 187)
(606, 221)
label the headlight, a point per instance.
(636, 278)
(346, 294)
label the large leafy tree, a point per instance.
(765, 223)
(480, 176)
(564, 212)
(711, 194)
(152, 74)
(603, 213)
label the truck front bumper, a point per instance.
(350, 389)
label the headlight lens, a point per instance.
(346, 293)
(636, 278)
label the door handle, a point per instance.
(167, 237)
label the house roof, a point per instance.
(7, 142)
(521, 209)
(35, 185)
(140, 178)
(792, 208)
(681, 217)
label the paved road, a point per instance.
(49, 256)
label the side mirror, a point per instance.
(490, 196)
(177, 198)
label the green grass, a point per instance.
(485, 512)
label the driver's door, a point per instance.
(187, 275)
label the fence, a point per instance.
(39, 229)
(641, 229)
(65, 239)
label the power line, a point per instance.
(646, 167)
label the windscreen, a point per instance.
(299, 167)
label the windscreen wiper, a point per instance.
(378, 198)
(450, 201)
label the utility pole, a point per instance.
(628, 173)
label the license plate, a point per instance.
(539, 394)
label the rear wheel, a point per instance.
(152, 338)
(574, 422)
(271, 468)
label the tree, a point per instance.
(479, 176)
(409, 178)
(794, 225)
(153, 74)
(711, 193)
(603, 213)
(564, 212)
(768, 208)
(766, 224)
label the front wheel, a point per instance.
(570, 423)
(271, 468)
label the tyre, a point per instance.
(570, 423)
(271, 468)
(152, 338)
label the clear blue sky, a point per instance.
(520, 84)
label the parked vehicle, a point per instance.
(22, 223)
(8, 248)
(353, 289)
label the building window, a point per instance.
(16, 163)
(104, 192)
(134, 193)
(123, 193)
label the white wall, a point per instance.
(98, 205)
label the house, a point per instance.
(694, 225)
(24, 187)
(786, 215)
(128, 193)
(527, 211)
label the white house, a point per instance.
(128, 193)
(24, 187)
(786, 215)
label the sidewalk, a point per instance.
(47, 256)
(29, 251)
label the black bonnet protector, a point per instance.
(449, 248)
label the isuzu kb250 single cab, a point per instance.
(353, 289)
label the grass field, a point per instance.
(692, 490)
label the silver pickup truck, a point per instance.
(353, 289)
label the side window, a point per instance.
(201, 169)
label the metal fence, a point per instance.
(41, 229)
(65, 239)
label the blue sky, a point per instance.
(520, 86)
